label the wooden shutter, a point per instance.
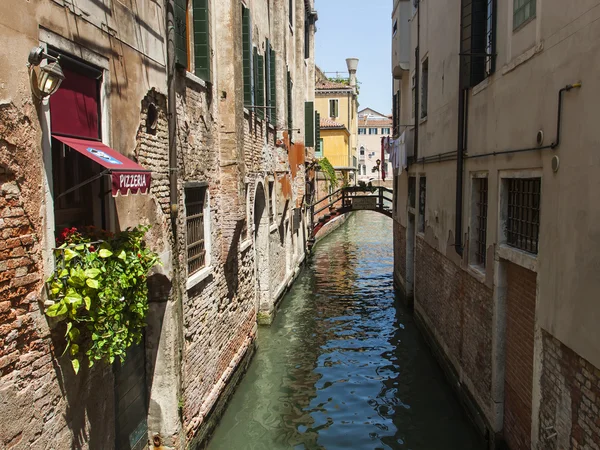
(247, 56)
(269, 100)
(273, 85)
(394, 115)
(309, 124)
(254, 76)
(202, 39)
(181, 44)
(260, 102)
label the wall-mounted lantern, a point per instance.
(50, 75)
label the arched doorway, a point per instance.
(261, 253)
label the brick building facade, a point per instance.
(493, 241)
(233, 110)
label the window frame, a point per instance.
(196, 276)
(362, 131)
(520, 6)
(422, 204)
(373, 131)
(510, 210)
(336, 102)
(480, 200)
(424, 88)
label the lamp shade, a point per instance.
(51, 75)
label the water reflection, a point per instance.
(343, 366)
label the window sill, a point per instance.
(478, 272)
(198, 277)
(422, 120)
(519, 257)
(245, 245)
(246, 111)
(522, 58)
(273, 228)
(481, 86)
(194, 79)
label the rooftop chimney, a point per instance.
(352, 64)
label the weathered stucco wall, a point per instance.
(558, 47)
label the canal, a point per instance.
(343, 366)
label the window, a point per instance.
(396, 113)
(192, 31)
(523, 215)
(414, 96)
(272, 89)
(422, 200)
(319, 151)
(318, 140)
(385, 131)
(362, 131)
(195, 204)
(480, 197)
(271, 200)
(372, 130)
(309, 124)
(291, 12)
(395, 28)
(362, 151)
(412, 188)
(259, 84)
(523, 11)
(245, 235)
(247, 59)
(334, 108)
(306, 35)
(478, 43)
(424, 87)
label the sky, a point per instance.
(361, 29)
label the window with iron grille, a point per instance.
(478, 40)
(422, 200)
(245, 223)
(271, 200)
(523, 215)
(414, 96)
(481, 210)
(424, 87)
(412, 189)
(195, 202)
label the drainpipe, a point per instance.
(172, 116)
(460, 147)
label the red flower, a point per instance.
(139, 255)
(92, 248)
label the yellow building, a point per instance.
(336, 102)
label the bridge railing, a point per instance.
(344, 197)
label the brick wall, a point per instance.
(458, 310)
(518, 378)
(570, 404)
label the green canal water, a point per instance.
(343, 366)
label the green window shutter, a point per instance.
(290, 119)
(254, 75)
(309, 124)
(202, 40)
(181, 54)
(318, 141)
(273, 85)
(247, 56)
(268, 79)
(260, 102)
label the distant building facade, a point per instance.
(495, 224)
(372, 127)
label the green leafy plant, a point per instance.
(99, 289)
(329, 172)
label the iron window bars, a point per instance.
(481, 226)
(194, 210)
(422, 200)
(523, 224)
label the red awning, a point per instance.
(127, 175)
